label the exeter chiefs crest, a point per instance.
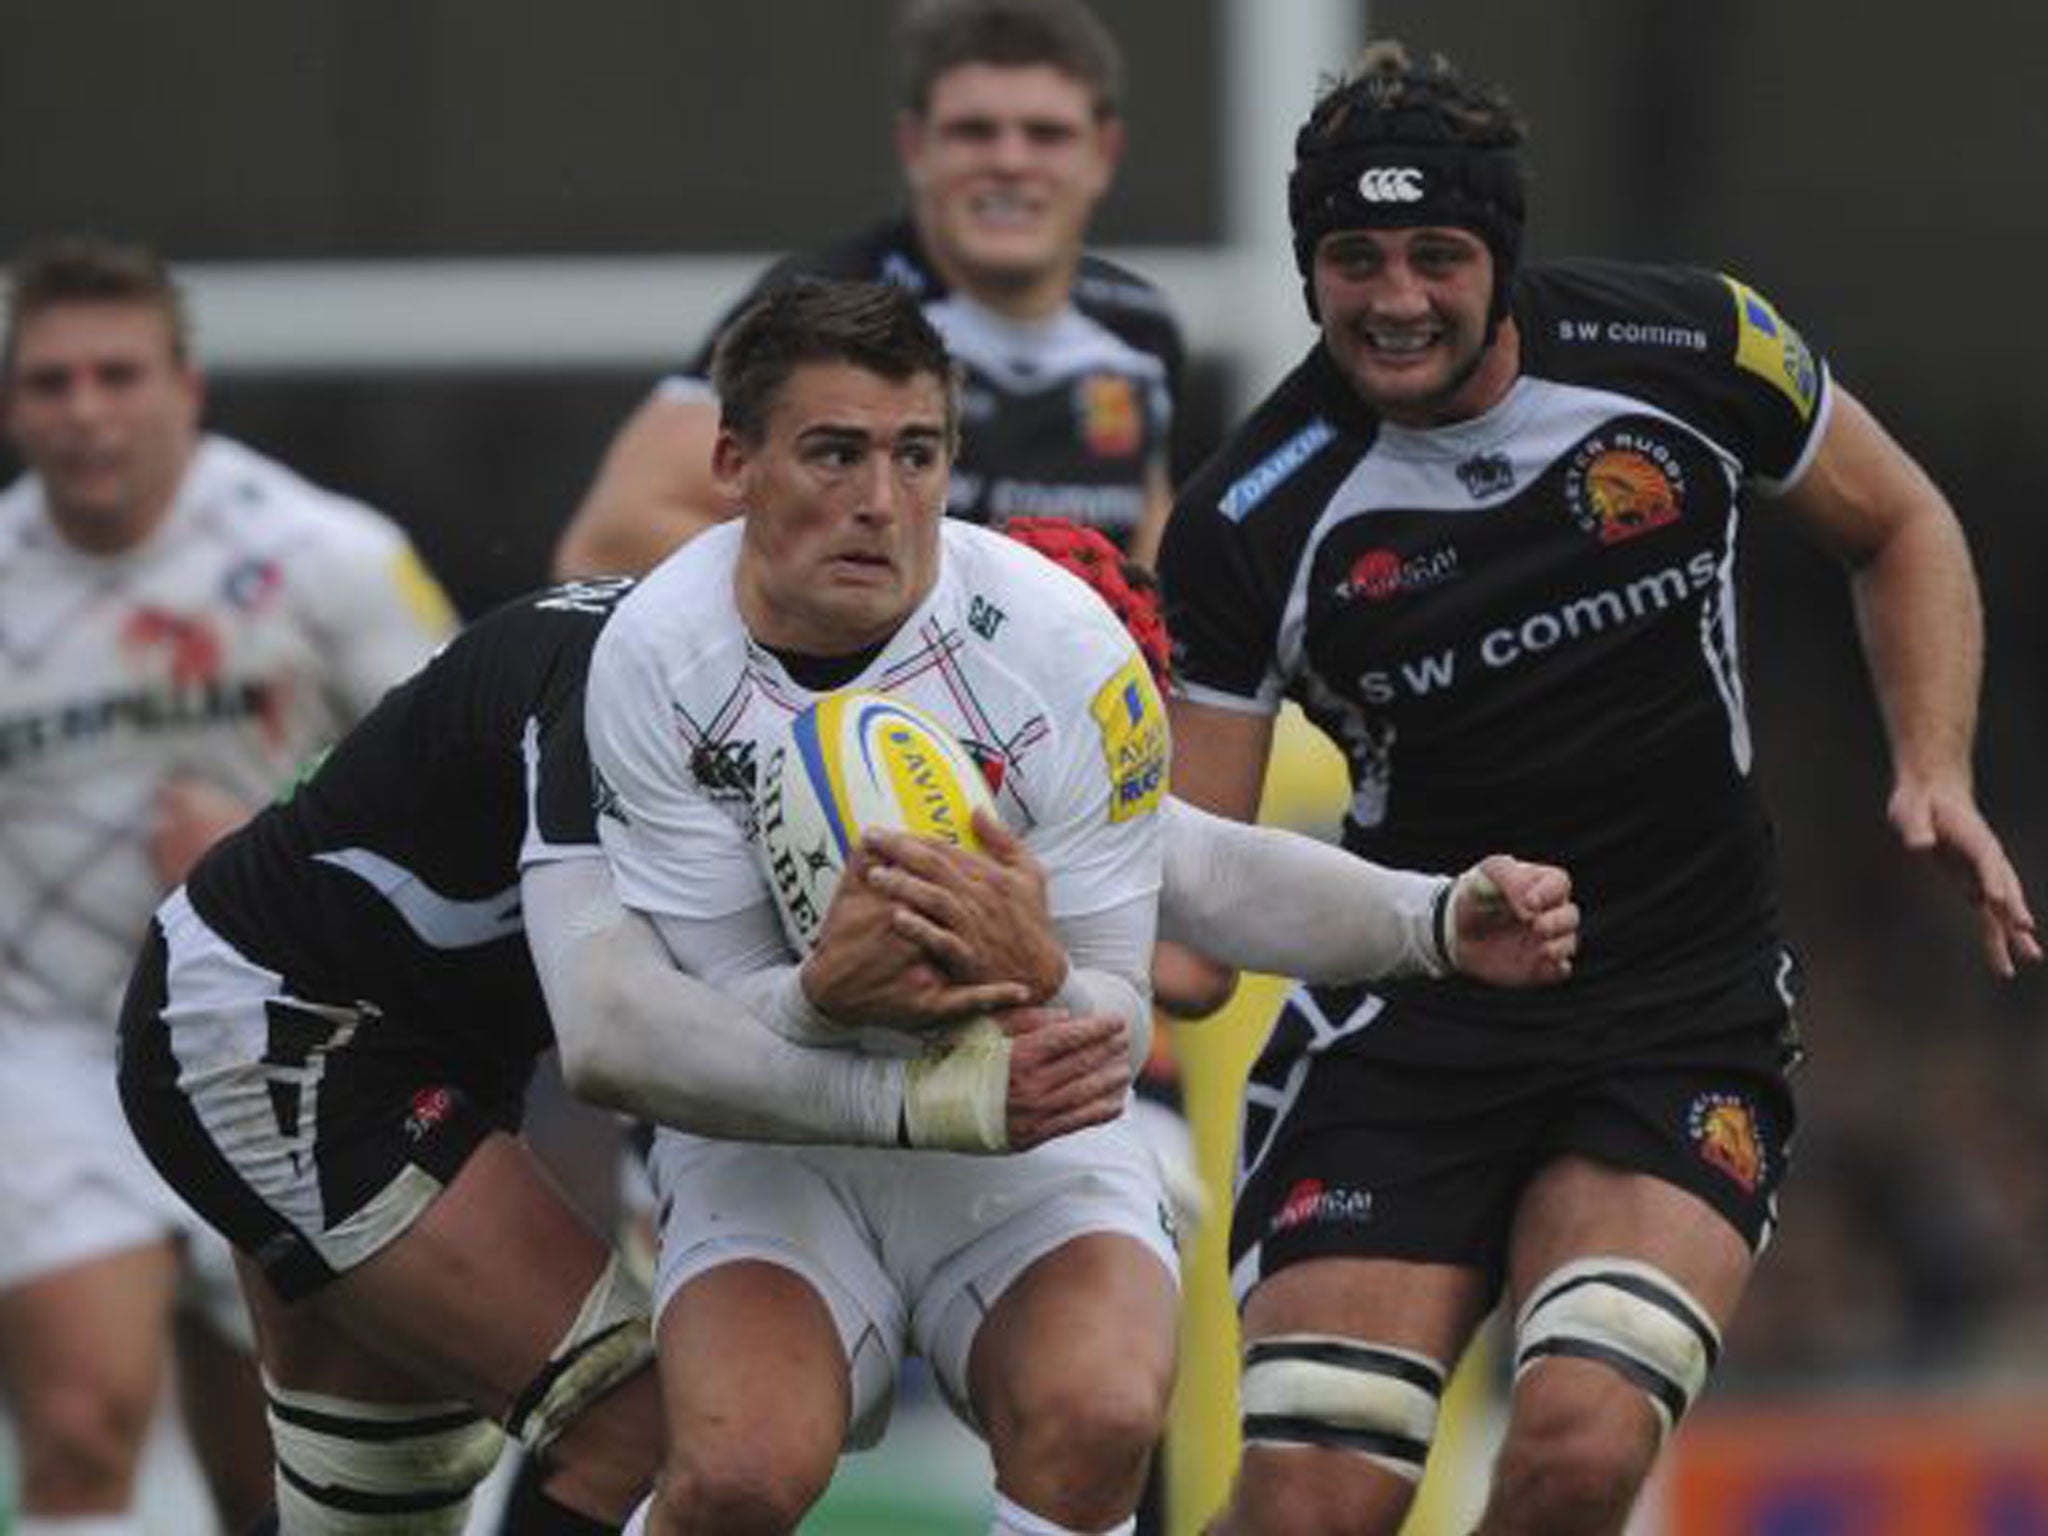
(1112, 416)
(1724, 1133)
(1623, 483)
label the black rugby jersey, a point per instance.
(391, 875)
(1060, 418)
(1521, 629)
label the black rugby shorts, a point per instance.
(1363, 1158)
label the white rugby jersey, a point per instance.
(1020, 659)
(260, 619)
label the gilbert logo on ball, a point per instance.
(849, 762)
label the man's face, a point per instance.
(842, 499)
(1404, 316)
(99, 405)
(1005, 168)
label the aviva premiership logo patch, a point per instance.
(1133, 725)
(1772, 350)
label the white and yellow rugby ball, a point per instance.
(852, 761)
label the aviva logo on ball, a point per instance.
(853, 761)
(905, 770)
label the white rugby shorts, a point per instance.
(75, 1187)
(909, 1250)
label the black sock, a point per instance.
(530, 1512)
(1152, 1505)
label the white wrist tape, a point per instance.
(1476, 886)
(956, 1095)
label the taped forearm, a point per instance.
(1262, 899)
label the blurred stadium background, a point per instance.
(440, 248)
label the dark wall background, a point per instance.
(1874, 170)
(378, 128)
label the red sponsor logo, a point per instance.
(1299, 1206)
(187, 648)
(1378, 574)
(430, 1106)
(1312, 1200)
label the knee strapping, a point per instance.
(1628, 1316)
(347, 1468)
(1311, 1389)
(611, 1338)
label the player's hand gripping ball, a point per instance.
(851, 761)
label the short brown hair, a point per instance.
(942, 35)
(85, 269)
(874, 326)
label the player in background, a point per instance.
(1009, 137)
(1485, 534)
(181, 621)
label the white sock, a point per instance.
(77, 1525)
(1015, 1520)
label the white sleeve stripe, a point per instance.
(1267, 701)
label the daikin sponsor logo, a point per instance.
(1274, 470)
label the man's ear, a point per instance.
(910, 146)
(729, 461)
(1112, 135)
(193, 385)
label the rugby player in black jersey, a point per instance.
(325, 1048)
(1009, 136)
(1484, 533)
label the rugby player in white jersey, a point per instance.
(181, 622)
(791, 1280)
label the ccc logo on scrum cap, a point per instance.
(1391, 184)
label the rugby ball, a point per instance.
(849, 762)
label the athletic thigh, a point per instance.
(796, 1212)
(472, 1297)
(755, 1378)
(309, 1133)
(957, 1233)
(1094, 1319)
(1712, 1118)
(101, 1325)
